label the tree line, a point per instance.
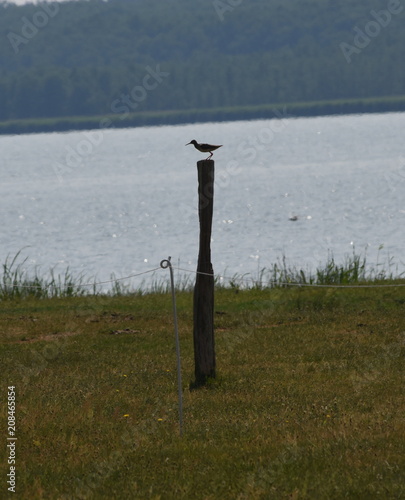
(94, 57)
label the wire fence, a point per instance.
(274, 283)
(220, 279)
(90, 284)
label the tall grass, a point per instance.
(16, 282)
(353, 270)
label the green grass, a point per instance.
(17, 282)
(308, 402)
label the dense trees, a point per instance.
(91, 57)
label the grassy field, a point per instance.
(308, 402)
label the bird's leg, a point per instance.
(209, 156)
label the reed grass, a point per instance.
(17, 282)
(354, 270)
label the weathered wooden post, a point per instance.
(204, 343)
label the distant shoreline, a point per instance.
(177, 117)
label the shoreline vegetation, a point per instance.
(16, 282)
(177, 117)
(307, 403)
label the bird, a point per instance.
(204, 148)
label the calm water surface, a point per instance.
(120, 201)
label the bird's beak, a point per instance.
(187, 143)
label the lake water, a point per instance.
(121, 200)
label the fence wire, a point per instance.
(290, 283)
(217, 277)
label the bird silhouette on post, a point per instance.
(204, 148)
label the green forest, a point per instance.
(176, 58)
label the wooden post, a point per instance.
(204, 343)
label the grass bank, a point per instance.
(17, 281)
(308, 404)
(176, 117)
